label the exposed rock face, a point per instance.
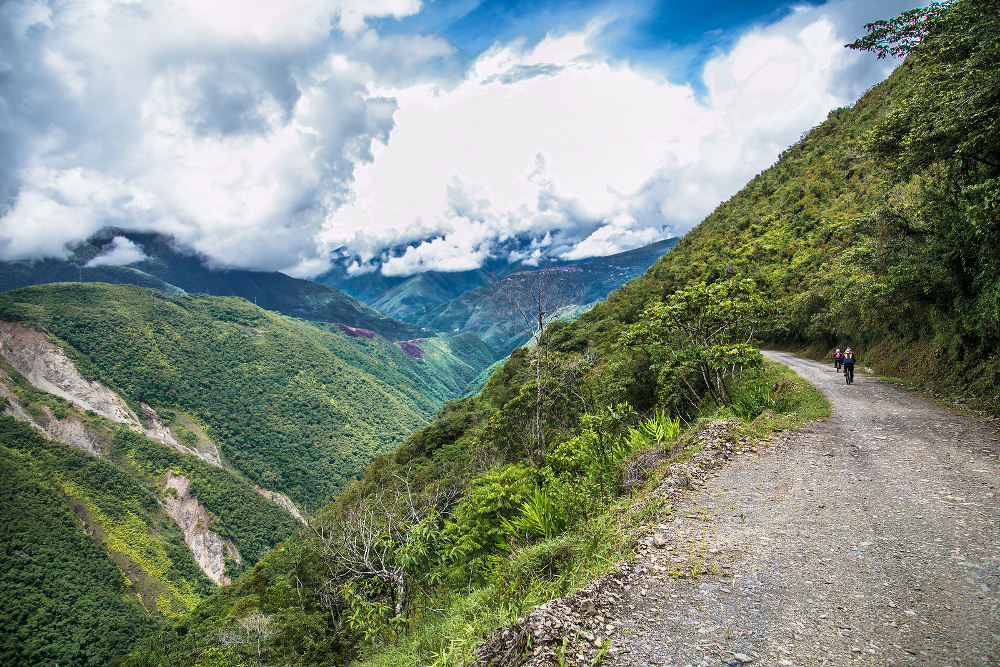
(206, 546)
(45, 366)
(157, 431)
(73, 432)
(283, 501)
(70, 430)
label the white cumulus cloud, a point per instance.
(120, 251)
(557, 144)
(270, 135)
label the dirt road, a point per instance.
(872, 538)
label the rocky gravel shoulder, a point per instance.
(871, 538)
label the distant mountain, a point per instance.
(451, 302)
(592, 280)
(406, 296)
(174, 270)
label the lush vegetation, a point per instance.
(879, 229)
(462, 530)
(66, 600)
(252, 523)
(285, 408)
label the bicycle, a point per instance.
(849, 373)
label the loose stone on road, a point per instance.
(871, 538)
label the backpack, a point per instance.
(848, 357)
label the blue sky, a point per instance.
(404, 135)
(678, 35)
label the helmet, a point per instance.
(848, 349)
(838, 349)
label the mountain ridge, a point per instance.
(172, 270)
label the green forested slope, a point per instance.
(276, 394)
(64, 599)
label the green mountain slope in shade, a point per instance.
(65, 600)
(174, 271)
(277, 395)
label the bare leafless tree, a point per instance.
(531, 300)
(251, 631)
(367, 541)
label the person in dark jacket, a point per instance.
(849, 365)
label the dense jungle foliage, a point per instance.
(119, 564)
(66, 600)
(252, 523)
(295, 408)
(878, 230)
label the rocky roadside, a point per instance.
(868, 539)
(576, 629)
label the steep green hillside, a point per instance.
(879, 230)
(174, 271)
(252, 524)
(277, 396)
(65, 601)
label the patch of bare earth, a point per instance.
(871, 538)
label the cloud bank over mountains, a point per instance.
(270, 135)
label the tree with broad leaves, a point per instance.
(701, 335)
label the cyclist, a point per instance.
(838, 357)
(849, 366)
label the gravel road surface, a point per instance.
(871, 538)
